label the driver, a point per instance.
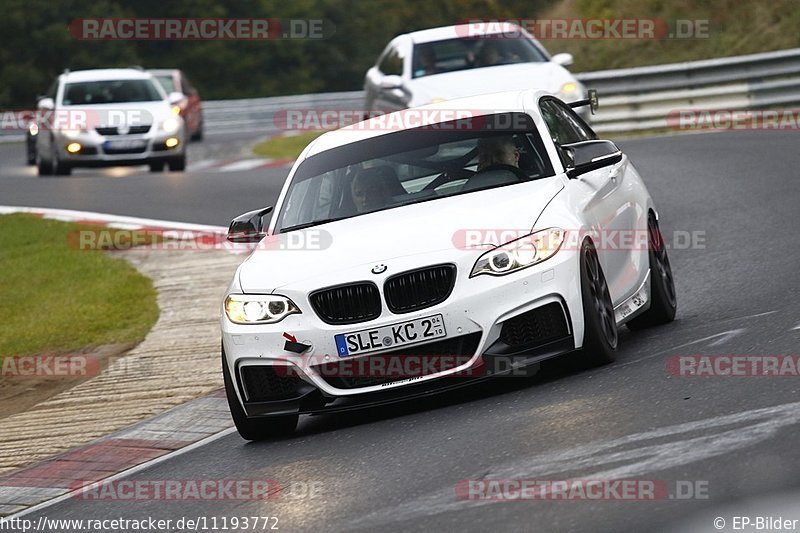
(369, 190)
(497, 153)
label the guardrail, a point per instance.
(640, 98)
(630, 99)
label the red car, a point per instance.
(190, 108)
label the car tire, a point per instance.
(663, 299)
(61, 169)
(156, 166)
(254, 429)
(177, 164)
(57, 168)
(44, 168)
(600, 336)
(198, 135)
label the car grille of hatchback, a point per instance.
(418, 289)
(537, 326)
(347, 374)
(113, 130)
(263, 383)
(347, 304)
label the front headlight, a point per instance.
(520, 253)
(170, 125)
(258, 308)
(569, 88)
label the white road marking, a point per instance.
(723, 337)
(245, 164)
(726, 336)
(626, 457)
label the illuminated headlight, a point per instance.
(258, 308)
(569, 88)
(520, 253)
(170, 125)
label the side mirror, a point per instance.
(391, 81)
(46, 104)
(249, 227)
(175, 98)
(586, 156)
(564, 59)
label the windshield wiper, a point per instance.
(312, 223)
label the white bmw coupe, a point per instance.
(435, 246)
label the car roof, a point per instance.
(105, 74)
(424, 115)
(163, 71)
(461, 30)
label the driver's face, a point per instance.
(367, 195)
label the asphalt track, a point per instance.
(397, 468)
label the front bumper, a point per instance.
(485, 315)
(99, 150)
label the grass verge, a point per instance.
(55, 298)
(285, 146)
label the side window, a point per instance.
(563, 125)
(392, 63)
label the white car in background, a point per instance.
(108, 117)
(481, 242)
(437, 64)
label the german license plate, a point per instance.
(393, 336)
(125, 144)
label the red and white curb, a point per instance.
(123, 453)
(119, 455)
(181, 231)
(111, 221)
(239, 165)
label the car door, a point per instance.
(609, 204)
(193, 116)
(384, 85)
(45, 119)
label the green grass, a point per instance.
(54, 298)
(285, 147)
(734, 28)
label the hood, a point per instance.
(519, 76)
(408, 235)
(131, 113)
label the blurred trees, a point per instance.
(37, 45)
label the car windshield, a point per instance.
(468, 53)
(412, 166)
(167, 82)
(110, 92)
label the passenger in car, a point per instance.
(494, 152)
(373, 188)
